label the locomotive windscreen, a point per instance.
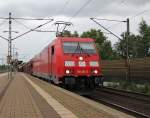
(79, 47)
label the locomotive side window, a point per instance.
(52, 50)
(79, 47)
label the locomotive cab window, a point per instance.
(79, 47)
(52, 50)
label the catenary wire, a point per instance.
(21, 24)
(32, 29)
(140, 13)
(63, 7)
(81, 8)
(78, 11)
(33, 18)
(116, 24)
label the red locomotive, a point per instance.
(73, 62)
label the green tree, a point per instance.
(139, 45)
(75, 34)
(95, 34)
(121, 46)
(67, 33)
(144, 39)
(103, 45)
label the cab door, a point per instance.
(52, 60)
(48, 60)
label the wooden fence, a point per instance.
(138, 68)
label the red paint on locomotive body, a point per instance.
(68, 57)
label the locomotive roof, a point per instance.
(75, 39)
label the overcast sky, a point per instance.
(31, 44)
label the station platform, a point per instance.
(25, 96)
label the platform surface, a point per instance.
(18, 101)
(25, 96)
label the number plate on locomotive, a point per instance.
(82, 71)
(82, 63)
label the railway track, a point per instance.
(135, 104)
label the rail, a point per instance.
(135, 104)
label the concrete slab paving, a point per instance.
(18, 101)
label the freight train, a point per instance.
(68, 61)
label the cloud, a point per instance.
(111, 9)
(44, 8)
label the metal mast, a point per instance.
(9, 48)
(10, 39)
(127, 50)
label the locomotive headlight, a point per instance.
(81, 58)
(94, 63)
(69, 63)
(67, 71)
(95, 71)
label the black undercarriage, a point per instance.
(82, 82)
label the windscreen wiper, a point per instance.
(80, 49)
(77, 48)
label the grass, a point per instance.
(131, 86)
